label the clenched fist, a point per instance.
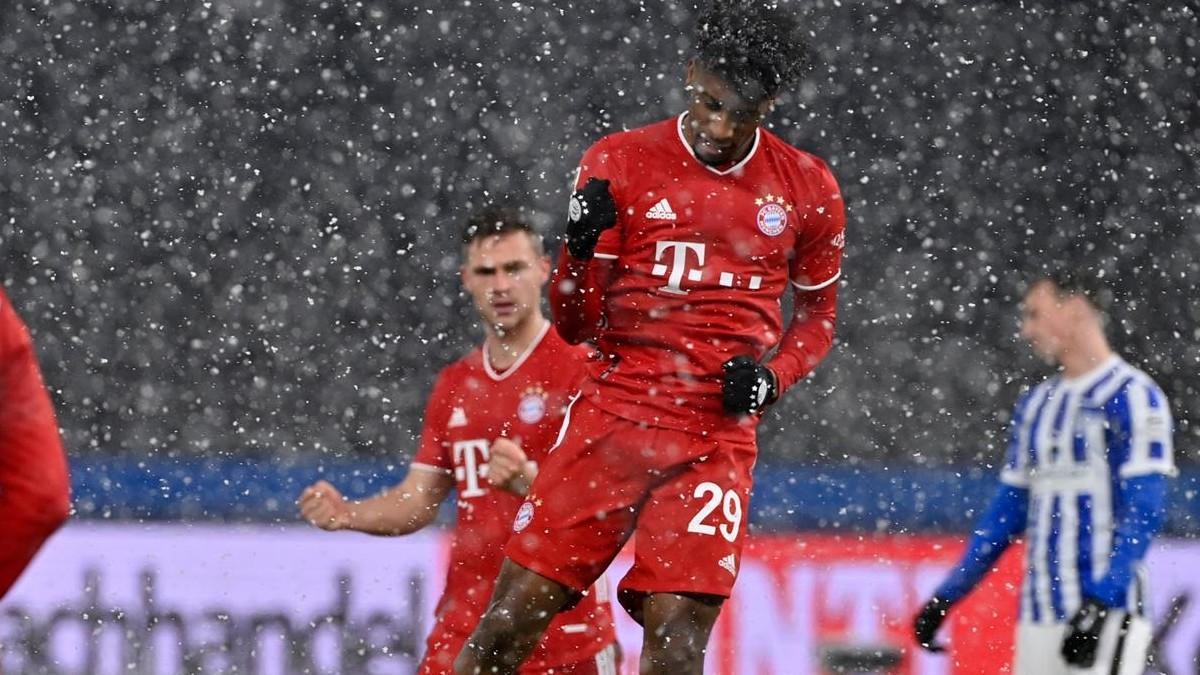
(509, 467)
(322, 505)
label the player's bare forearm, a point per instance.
(577, 296)
(809, 337)
(406, 508)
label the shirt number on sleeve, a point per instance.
(731, 506)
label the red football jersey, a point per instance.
(701, 260)
(471, 405)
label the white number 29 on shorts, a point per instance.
(731, 505)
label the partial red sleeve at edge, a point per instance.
(808, 338)
(577, 296)
(34, 487)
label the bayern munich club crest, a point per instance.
(532, 407)
(772, 215)
(524, 516)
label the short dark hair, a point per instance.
(1090, 287)
(493, 221)
(754, 45)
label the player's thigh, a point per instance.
(1038, 650)
(690, 531)
(603, 662)
(581, 507)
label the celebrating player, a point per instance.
(1085, 481)
(34, 491)
(489, 421)
(682, 237)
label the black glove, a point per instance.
(748, 387)
(591, 212)
(928, 621)
(1083, 634)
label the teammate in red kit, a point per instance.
(34, 490)
(488, 423)
(682, 238)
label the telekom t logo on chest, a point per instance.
(679, 251)
(470, 465)
(674, 260)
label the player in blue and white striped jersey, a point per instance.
(1085, 482)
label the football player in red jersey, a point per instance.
(682, 238)
(490, 420)
(34, 490)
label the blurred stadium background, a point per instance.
(232, 226)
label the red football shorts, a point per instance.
(443, 647)
(682, 496)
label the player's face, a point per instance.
(504, 275)
(720, 123)
(1047, 321)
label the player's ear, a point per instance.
(689, 75)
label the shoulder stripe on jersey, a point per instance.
(819, 286)
(1105, 379)
(1121, 378)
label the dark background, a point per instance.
(232, 225)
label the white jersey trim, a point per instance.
(422, 466)
(604, 256)
(562, 430)
(726, 172)
(821, 285)
(498, 377)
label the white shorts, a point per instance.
(1038, 645)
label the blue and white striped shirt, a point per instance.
(1072, 443)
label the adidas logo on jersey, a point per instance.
(661, 211)
(458, 418)
(729, 564)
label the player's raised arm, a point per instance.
(586, 261)
(403, 509)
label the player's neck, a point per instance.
(1085, 356)
(505, 347)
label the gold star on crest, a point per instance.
(770, 198)
(758, 202)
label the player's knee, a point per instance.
(674, 652)
(676, 635)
